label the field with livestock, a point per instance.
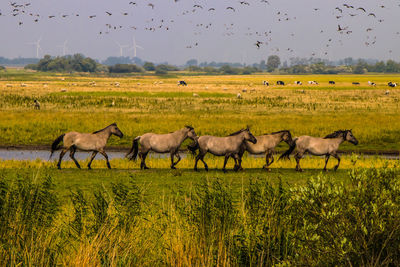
(127, 216)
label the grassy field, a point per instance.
(150, 103)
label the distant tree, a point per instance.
(149, 66)
(161, 69)
(273, 63)
(191, 62)
(226, 69)
(2, 67)
(124, 68)
(392, 67)
(110, 61)
(358, 69)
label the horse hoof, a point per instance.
(146, 168)
(89, 168)
(173, 167)
(196, 170)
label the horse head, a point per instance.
(287, 137)
(115, 130)
(350, 137)
(248, 136)
(191, 133)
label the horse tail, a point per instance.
(55, 145)
(286, 154)
(134, 150)
(193, 147)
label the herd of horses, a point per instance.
(231, 146)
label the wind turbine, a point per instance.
(134, 46)
(121, 47)
(37, 43)
(64, 47)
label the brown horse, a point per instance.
(95, 142)
(160, 143)
(327, 146)
(266, 145)
(228, 146)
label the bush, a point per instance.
(2, 68)
(124, 68)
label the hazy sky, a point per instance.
(178, 31)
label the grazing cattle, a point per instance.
(298, 82)
(266, 83)
(371, 83)
(391, 84)
(332, 82)
(36, 104)
(312, 82)
(195, 95)
(239, 96)
(280, 83)
(387, 92)
(182, 83)
(356, 83)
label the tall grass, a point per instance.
(320, 223)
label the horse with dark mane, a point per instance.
(160, 143)
(317, 146)
(228, 146)
(95, 142)
(266, 145)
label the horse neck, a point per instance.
(181, 135)
(106, 133)
(339, 140)
(277, 138)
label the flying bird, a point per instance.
(229, 7)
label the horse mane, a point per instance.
(238, 132)
(336, 134)
(189, 127)
(112, 124)
(278, 132)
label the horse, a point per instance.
(160, 143)
(317, 146)
(95, 142)
(228, 146)
(266, 144)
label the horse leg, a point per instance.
(195, 162)
(268, 156)
(106, 156)
(338, 161)
(202, 160)
(61, 156)
(225, 161)
(91, 159)
(298, 157)
(238, 166)
(179, 158)
(172, 160)
(72, 156)
(143, 163)
(326, 161)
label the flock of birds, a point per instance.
(260, 37)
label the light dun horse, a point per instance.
(266, 144)
(228, 146)
(95, 142)
(317, 146)
(160, 143)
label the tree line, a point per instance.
(80, 63)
